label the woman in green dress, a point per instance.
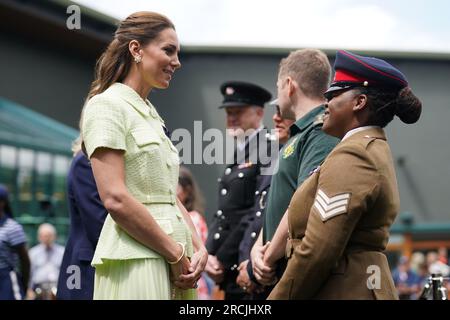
(148, 247)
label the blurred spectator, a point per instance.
(406, 281)
(191, 197)
(46, 260)
(419, 266)
(436, 265)
(13, 284)
(431, 257)
(422, 275)
(417, 261)
(443, 255)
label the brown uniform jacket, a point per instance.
(339, 221)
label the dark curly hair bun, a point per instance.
(408, 106)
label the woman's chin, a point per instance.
(163, 85)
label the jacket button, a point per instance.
(222, 217)
(220, 228)
(256, 192)
(241, 175)
(219, 179)
(223, 191)
(264, 193)
(258, 213)
(219, 213)
(233, 267)
(227, 171)
(216, 236)
(253, 235)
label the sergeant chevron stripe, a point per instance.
(329, 207)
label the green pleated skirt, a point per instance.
(137, 279)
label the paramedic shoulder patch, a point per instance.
(329, 207)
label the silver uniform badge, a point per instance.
(329, 207)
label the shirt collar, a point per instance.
(132, 97)
(305, 121)
(356, 130)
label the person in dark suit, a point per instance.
(87, 214)
(244, 106)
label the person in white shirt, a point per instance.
(46, 258)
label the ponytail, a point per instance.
(112, 66)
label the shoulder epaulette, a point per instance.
(318, 120)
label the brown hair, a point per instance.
(194, 198)
(310, 68)
(385, 104)
(114, 64)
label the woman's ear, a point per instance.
(360, 102)
(135, 48)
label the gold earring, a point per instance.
(137, 59)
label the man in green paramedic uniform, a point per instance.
(303, 78)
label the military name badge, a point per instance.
(289, 149)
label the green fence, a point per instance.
(35, 157)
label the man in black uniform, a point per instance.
(243, 103)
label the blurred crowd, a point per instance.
(411, 274)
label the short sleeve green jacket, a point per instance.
(120, 119)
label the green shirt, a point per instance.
(304, 151)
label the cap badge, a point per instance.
(229, 91)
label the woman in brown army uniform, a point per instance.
(339, 218)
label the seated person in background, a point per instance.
(45, 260)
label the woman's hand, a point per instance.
(178, 269)
(198, 264)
